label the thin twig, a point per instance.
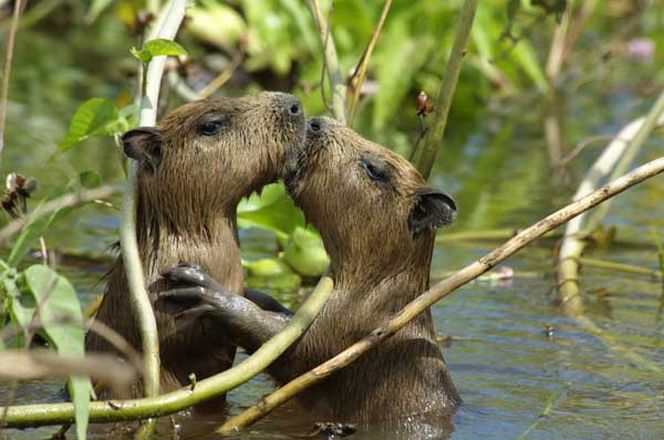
(581, 146)
(67, 201)
(425, 160)
(439, 291)
(9, 55)
(43, 363)
(357, 78)
(118, 342)
(222, 78)
(331, 60)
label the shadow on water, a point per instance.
(512, 355)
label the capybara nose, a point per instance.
(315, 125)
(289, 105)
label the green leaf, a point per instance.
(62, 324)
(272, 210)
(141, 55)
(305, 253)
(28, 235)
(93, 117)
(158, 47)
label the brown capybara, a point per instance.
(193, 170)
(378, 220)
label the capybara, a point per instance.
(193, 170)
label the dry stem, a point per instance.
(357, 78)
(67, 201)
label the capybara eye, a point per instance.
(211, 127)
(375, 171)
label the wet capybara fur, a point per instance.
(193, 170)
(377, 220)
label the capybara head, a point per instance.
(209, 154)
(369, 203)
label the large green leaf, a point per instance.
(96, 116)
(62, 325)
(272, 210)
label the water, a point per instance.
(507, 366)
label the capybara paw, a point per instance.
(186, 274)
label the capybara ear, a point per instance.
(432, 209)
(144, 145)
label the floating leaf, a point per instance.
(93, 117)
(158, 47)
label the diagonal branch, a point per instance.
(439, 291)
